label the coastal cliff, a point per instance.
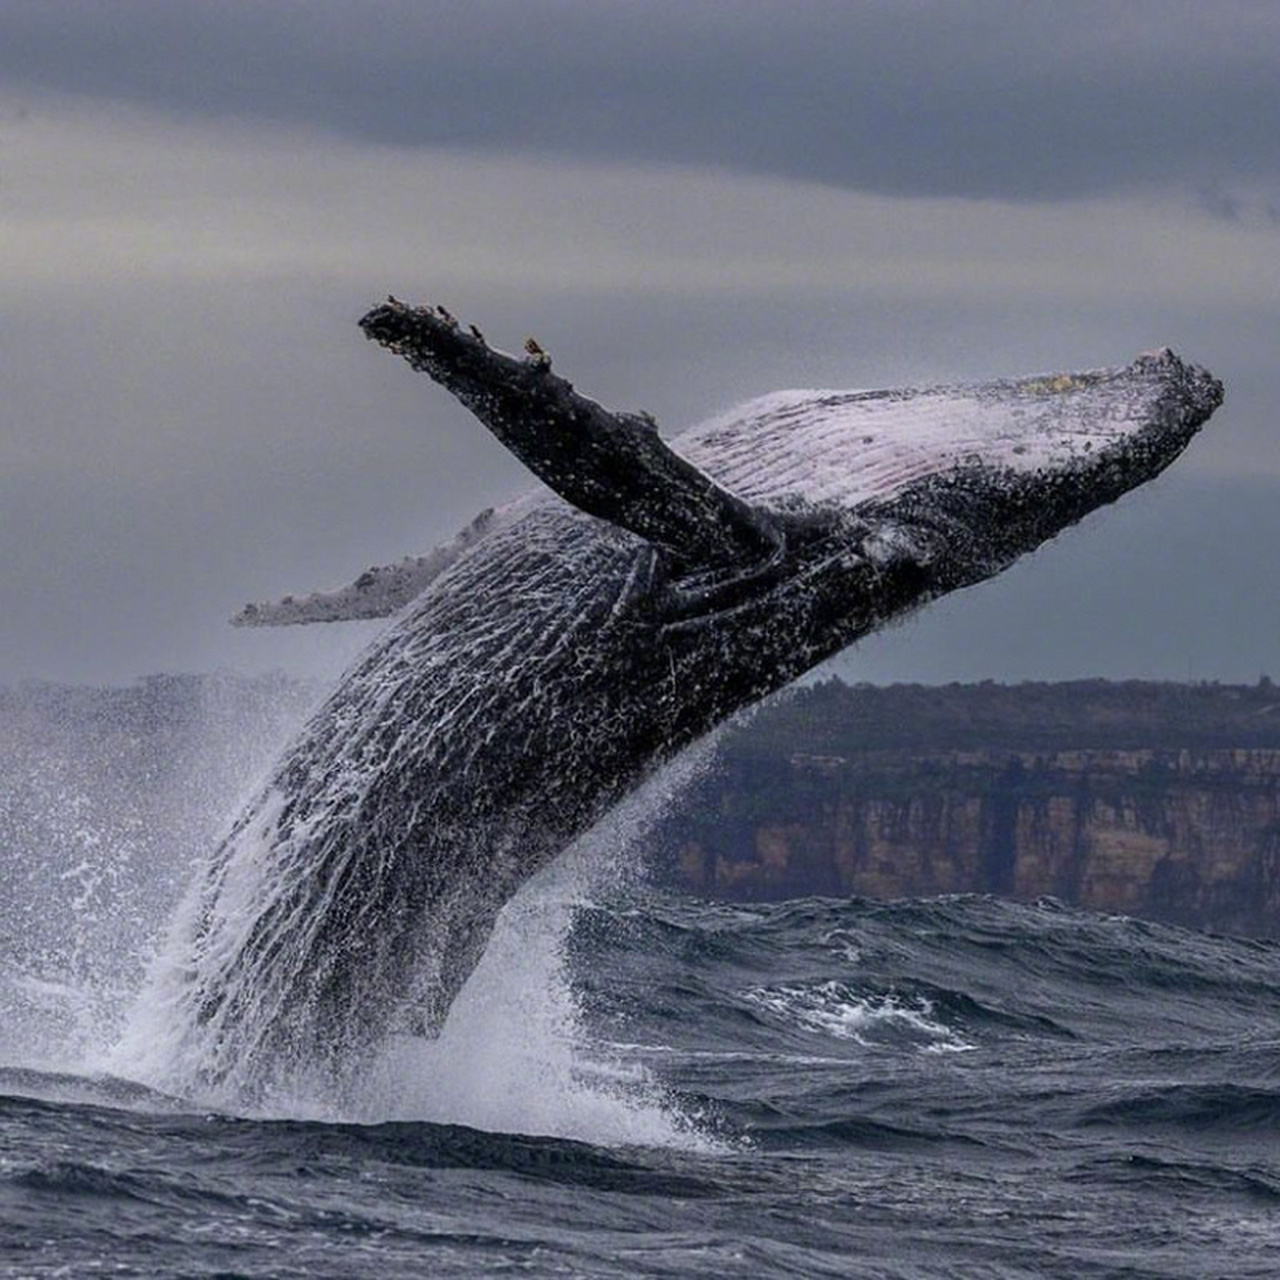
(1159, 801)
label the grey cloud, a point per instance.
(192, 419)
(915, 97)
(1221, 204)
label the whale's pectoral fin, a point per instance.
(376, 593)
(611, 465)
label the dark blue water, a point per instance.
(648, 1086)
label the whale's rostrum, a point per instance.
(565, 646)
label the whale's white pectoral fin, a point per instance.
(379, 592)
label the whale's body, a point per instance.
(553, 658)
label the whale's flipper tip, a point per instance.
(613, 466)
(379, 592)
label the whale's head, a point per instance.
(922, 491)
(852, 450)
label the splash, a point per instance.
(99, 828)
(107, 798)
(513, 1056)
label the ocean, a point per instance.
(643, 1085)
(633, 1083)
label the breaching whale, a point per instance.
(563, 647)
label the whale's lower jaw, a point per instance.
(557, 658)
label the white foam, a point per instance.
(514, 1055)
(833, 1009)
(94, 859)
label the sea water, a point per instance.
(638, 1084)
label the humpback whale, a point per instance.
(563, 647)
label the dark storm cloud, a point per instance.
(913, 97)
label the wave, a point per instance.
(1222, 1107)
(30, 1084)
(314, 1148)
(1182, 1177)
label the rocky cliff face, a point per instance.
(1187, 836)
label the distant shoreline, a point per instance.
(1150, 798)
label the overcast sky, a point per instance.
(689, 203)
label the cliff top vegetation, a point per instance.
(831, 717)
